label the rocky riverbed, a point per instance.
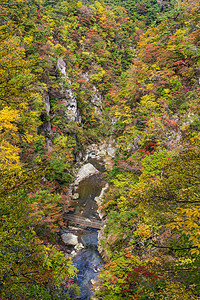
(81, 243)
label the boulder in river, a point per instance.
(69, 239)
(79, 246)
(73, 253)
(89, 239)
(85, 172)
(75, 196)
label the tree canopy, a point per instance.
(133, 69)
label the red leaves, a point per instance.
(81, 80)
(38, 15)
(56, 129)
(181, 62)
(101, 207)
(148, 149)
(151, 52)
(143, 271)
(133, 278)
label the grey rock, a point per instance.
(69, 239)
(47, 104)
(92, 281)
(73, 253)
(69, 96)
(84, 172)
(99, 200)
(111, 151)
(136, 141)
(79, 246)
(101, 151)
(96, 100)
(61, 66)
(75, 196)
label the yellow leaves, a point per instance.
(194, 251)
(100, 8)
(175, 291)
(9, 153)
(125, 113)
(61, 141)
(144, 231)
(189, 212)
(184, 260)
(79, 4)
(99, 76)
(166, 91)
(148, 103)
(187, 221)
(7, 118)
(195, 139)
(47, 263)
(28, 39)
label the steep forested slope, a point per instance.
(153, 203)
(51, 54)
(73, 73)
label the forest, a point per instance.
(77, 73)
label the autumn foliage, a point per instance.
(142, 61)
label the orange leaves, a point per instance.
(170, 123)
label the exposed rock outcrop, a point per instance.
(100, 151)
(96, 100)
(69, 97)
(104, 152)
(101, 241)
(99, 201)
(45, 128)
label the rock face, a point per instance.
(69, 97)
(46, 125)
(104, 152)
(61, 65)
(69, 239)
(71, 106)
(84, 172)
(135, 146)
(99, 200)
(101, 150)
(102, 240)
(96, 100)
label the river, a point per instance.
(88, 260)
